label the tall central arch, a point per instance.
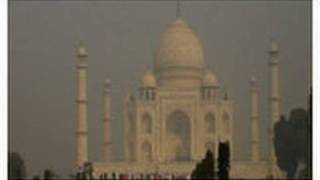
(178, 136)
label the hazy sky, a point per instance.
(121, 38)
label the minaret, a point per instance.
(107, 151)
(82, 129)
(274, 103)
(255, 148)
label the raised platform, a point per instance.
(239, 169)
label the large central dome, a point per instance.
(179, 60)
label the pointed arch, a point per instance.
(178, 126)
(131, 151)
(131, 122)
(146, 152)
(210, 123)
(226, 123)
(146, 123)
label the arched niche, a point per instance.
(131, 151)
(178, 126)
(146, 123)
(210, 123)
(226, 123)
(131, 124)
(146, 152)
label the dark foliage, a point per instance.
(48, 175)
(36, 178)
(308, 172)
(292, 141)
(103, 176)
(81, 176)
(224, 161)
(205, 169)
(16, 168)
(284, 147)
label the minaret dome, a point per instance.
(81, 50)
(149, 80)
(209, 79)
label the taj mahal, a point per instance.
(178, 114)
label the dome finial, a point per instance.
(178, 9)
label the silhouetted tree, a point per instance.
(204, 169)
(224, 161)
(17, 168)
(78, 176)
(291, 140)
(104, 176)
(48, 174)
(81, 176)
(88, 170)
(308, 172)
(284, 146)
(36, 178)
(114, 177)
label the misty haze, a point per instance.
(141, 87)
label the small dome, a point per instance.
(209, 79)
(149, 80)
